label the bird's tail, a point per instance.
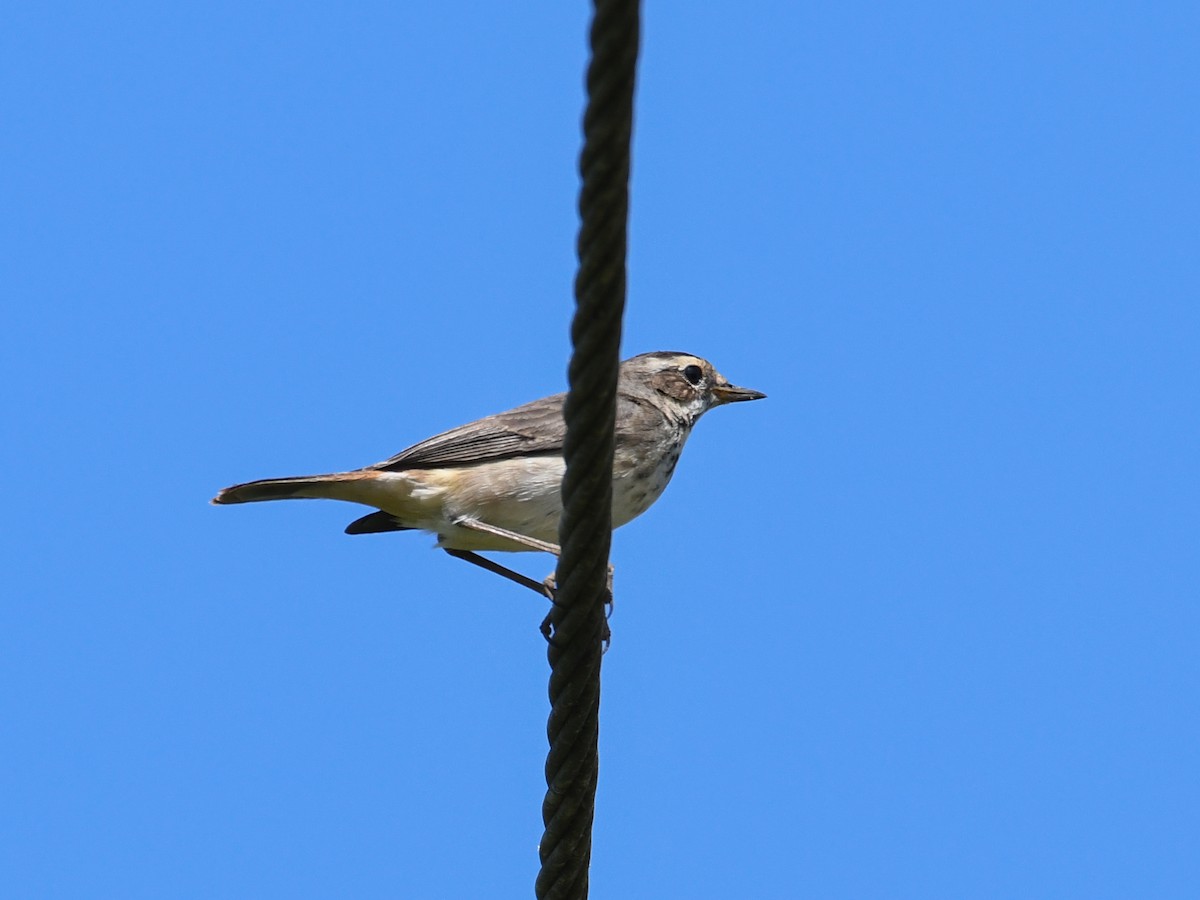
(351, 486)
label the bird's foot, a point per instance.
(550, 588)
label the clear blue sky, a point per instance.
(924, 624)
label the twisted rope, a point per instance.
(577, 620)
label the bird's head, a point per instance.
(686, 385)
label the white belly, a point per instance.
(521, 495)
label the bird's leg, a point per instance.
(484, 563)
(531, 543)
(515, 537)
(548, 587)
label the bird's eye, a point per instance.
(693, 374)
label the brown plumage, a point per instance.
(494, 482)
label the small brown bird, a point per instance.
(495, 483)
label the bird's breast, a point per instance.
(641, 472)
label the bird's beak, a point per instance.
(731, 393)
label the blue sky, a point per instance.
(922, 624)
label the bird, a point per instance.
(495, 484)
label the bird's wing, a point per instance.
(535, 429)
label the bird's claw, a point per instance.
(550, 588)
